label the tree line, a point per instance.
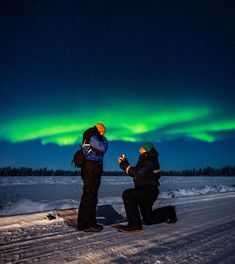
(24, 171)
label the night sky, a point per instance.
(159, 71)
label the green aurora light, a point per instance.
(136, 124)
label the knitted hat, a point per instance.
(147, 146)
(100, 127)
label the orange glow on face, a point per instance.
(142, 150)
(102, 133)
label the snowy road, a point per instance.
(205, 233)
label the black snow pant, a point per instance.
(91, 173)
(141, 200)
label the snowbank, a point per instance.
(22, 206)
(181, 192)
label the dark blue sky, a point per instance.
(161, 71)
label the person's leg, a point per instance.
(146, 211)
(164, 214)
(84, 209)
(91, 174)
(130, 201)
(94, 185)
(148, 197)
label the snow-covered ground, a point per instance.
(20, 195)
(204, 233)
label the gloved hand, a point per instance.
(121, 158)
(123, 162)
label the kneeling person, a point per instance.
(140, 199)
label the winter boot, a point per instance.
(94, 228)
(129, 228)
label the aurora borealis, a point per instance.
(156, 71)
(162, 124)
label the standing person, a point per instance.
(94, 147)
(146, 175)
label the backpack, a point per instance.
(78, 158)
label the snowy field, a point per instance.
(19, 195)
(204, 233)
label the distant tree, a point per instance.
(208, 171)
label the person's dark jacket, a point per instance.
(147, 170)
(94, 145)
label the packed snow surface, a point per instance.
(204, 233)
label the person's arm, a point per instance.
(100, 145)
(135, 172)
